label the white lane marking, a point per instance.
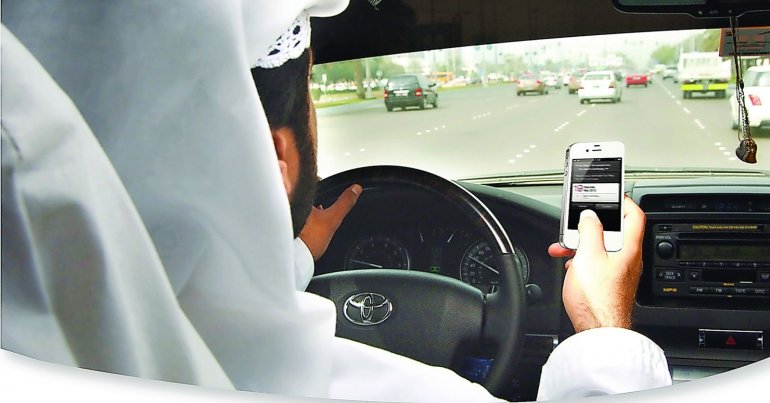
(562, 126)
(678, 102)
(673, 97)
(593, 105)
(581, 113)
(717, 144)
(687, 111)
(526, 150)
(511, 161)
(347, 154)
(532, 146)
(532, 101)
(435, 129)
(722, 148)
(699, 124)
(732, 159)
(361, 149)
(519, 155)
(726, 153)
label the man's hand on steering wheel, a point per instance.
(322, 222)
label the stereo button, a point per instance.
(665, 249)
(764, 276)
(669, 275)
(721, 290)
(741, 291)
(761, 291)
(698, 290)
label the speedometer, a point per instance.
(377, 252)
(478, 266)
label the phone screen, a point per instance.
(595, 185)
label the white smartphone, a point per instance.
(594, 175)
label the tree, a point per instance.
(335, 72)
(708, 41)
(358, 78)
(386, 66)
(665, 54)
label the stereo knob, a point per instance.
(665, 249)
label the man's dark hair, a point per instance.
(285, 98)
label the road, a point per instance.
(485, 131)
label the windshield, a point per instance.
(758, 79)
(403, 81)
(595, 77)
(479, 116)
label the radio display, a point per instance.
(732, 253)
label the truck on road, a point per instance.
(703, 72)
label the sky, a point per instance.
(637, 46)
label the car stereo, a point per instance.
(717, 259)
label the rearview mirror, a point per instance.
(696, 8)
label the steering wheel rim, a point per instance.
(500, 314)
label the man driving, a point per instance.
(149, 194)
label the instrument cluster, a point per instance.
(448, 250)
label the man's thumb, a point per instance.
(345, 203)
(591, 235)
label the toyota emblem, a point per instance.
(367, 309)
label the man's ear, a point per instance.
(282, 137)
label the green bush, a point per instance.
(315, 93)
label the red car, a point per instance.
(636, 79)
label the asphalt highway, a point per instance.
(488, 131)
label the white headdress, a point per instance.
(290, 45)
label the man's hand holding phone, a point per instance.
(600, 287)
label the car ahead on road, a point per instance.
(600, 85)
(672, 73)
(636, 79)
(756, 98)
(574, 80)
(530, 83)
(551, 81)
(409, 90)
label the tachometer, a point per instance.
(478, 266)
(377, 252)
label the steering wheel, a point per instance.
(428, 317)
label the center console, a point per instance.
(704, 294)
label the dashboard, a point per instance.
(702, 333)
